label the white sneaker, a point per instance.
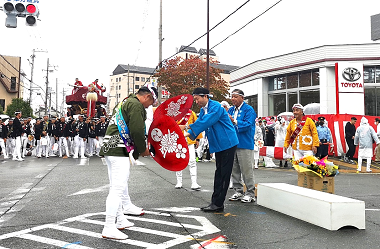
(178, 185)
(236, 197)
(75, 157)
(248, 198)
(195, 186)
(20, 159)
(124, 223)
(133, 210)
(113, 233)
(369, 171)
(5, 157)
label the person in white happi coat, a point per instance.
(258, 139)
(280, 132)
(3, 138)
(364, 137)
(81, 137)
(377, 150)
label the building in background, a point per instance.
(342, 78)
(10, 83)
(127, 79)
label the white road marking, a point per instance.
(51, 241)
(178, 209)
(372, 210)
(93, 190)
(205, 228)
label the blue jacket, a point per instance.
(219, 129)
(245, 127)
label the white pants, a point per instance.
(24, 143)
(91, 145)
(71, 145)
(17, 148)
(79, 144)
(3, 149)
(298, 154)
(62, 145)
(118, 173)
(192, 166)
(10, 144)
(51, 145)
(360, 161)
(41, 149)
(100, 143)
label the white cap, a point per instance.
(299, 106)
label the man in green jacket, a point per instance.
(132, 110)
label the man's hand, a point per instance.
(182, 127)
(145, 153)
(186, 134)
(285, 149)
(314, 149)
(232, 118)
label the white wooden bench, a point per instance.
(319, 208)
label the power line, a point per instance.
(205, 33)
(247, 24)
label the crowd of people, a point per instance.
(233, 135)
(63, 137)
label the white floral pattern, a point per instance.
(168, 143)
(174, 107)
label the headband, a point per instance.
(237, 94)
(153, 94)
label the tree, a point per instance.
(19, 105)
(181, 76)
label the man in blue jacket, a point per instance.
(214, 120)
(243, 117)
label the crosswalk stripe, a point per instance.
(98, 235)
(138, 229)
(166, 222)
(51, 241)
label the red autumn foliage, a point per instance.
(181, 76)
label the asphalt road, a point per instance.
(60, 203)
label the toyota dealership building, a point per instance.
(344, 79)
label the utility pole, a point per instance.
(47, 86)
(160, 51)
(56, 95)
(31, 74)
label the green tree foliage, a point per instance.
(181, 76)
(19, 104)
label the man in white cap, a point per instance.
(301, 134)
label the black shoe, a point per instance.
(280, 163)
(212, 208)
(286, 164)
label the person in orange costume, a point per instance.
(301, 134)
(189, 119)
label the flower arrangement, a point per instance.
(321, 167)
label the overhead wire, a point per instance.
(262, 13)
(145, 15)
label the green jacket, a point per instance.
(134, 115)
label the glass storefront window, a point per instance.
(292, 81)
(369, 75)
(307, 97)
(305, 78)
(370, 101)
(252, 101)
(377, 74)
(277, 104)
(292, 99)
(280, 83)
(315, 75)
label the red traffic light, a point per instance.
(9, 6)
(30, 8)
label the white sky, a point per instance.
(88, 39)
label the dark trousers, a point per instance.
(224, 162)
(323, 149)
(351, 148)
